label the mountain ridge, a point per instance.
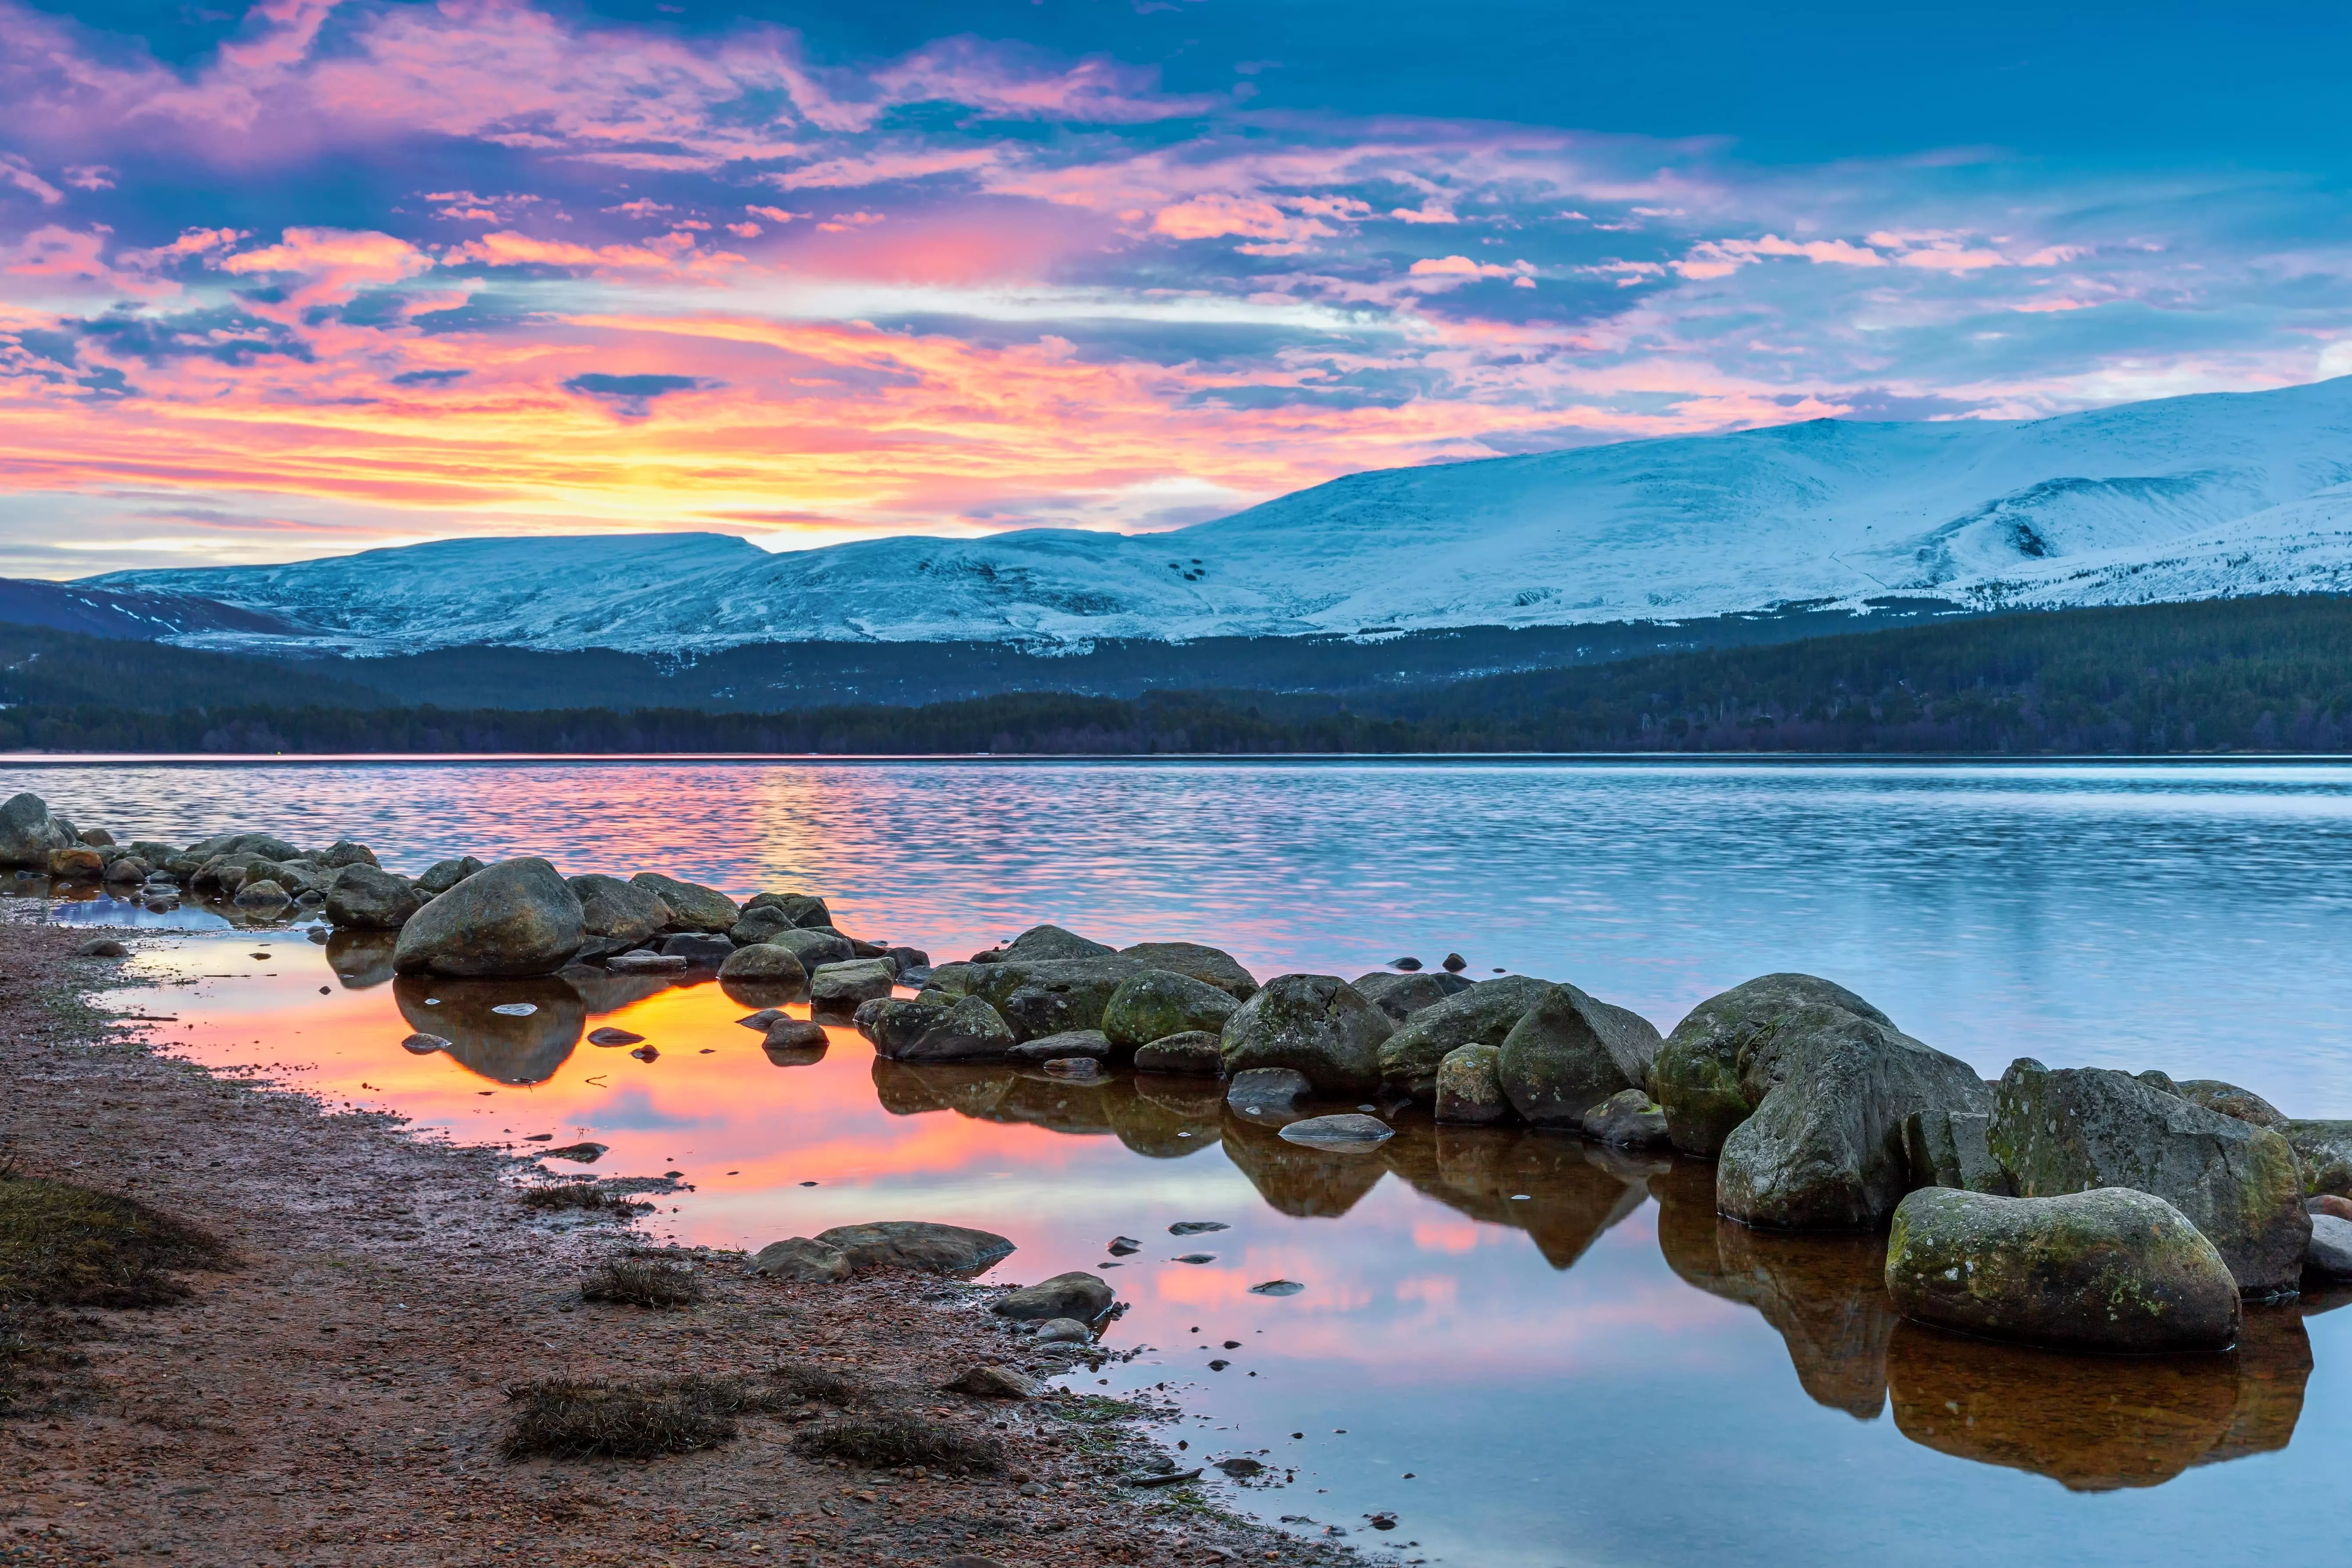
(2213, 495)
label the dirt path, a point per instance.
(338, 1396)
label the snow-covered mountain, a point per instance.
(2185, 497)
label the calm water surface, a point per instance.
(1574, 1360)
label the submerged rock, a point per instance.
(1711, 1072)
(1159, 1002)
(512, 919)
(1316, 1025)
(1350, 1129)
(366, 898)
(2111, 1269)
(1213, 966)
(1569, 1053)
(2065, 1130)
(1262, 1091)
(1193, 1054)
(920, 1245)
(692, 907)
(1484, 1014)
(1079, 1295)
(1470, 1087)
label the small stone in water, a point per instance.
(425, 1045)
(645, 1053)
(1219, 1365)
(1197, 1226)
(1278, 1288)
(1120, 1246)
(611, 1037)
(1456, 963)
(759, 1020)
(1407, 964)
(516, 1009)
(1198, 1258)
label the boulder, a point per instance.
(127, 870)
(1629, 1118)
(792, 1035)
(1484, 1014)
(101, 947)
(641, 964)
(692, 906)
(802, 1261)
(699, 949)
(618, 915)
(1194, 1053)
(1064, 1331)
(2323, 1154)
(1048, 996)
(77, 863)
(364, 898)
(990, 1382)
(1823, 1150)
(1569, 1053)
(933, 1029)
(1073, 1295)
(840, 988)
(1314, 1024)
(1348, 1130)
(27, 832)
(1214, 966)
(342, 852)
(800, 909)
(758, 925)
(95, 838)
(1090, 1044)
(1403, 995)
(1159, 1002)
(918, 1244)
(1267, 1091)
(1952, 1149)
(2230, 1101)
(2328, 1203)
(515, 918)
(263, 894)
(1040, 944)
(1470, 1087)
(765, 964)
(2111, 1269)
(444, 875)
(2329, 1254)
(1706, 1074)
(811, 947)
(2072, 1130)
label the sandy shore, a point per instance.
(338, 1395)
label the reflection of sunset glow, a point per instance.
(1437, 1236)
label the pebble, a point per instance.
(1197, 1226)
(610, 1037)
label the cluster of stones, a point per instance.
(461, 918)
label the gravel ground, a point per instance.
(338, 1395)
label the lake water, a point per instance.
(1532, 1351)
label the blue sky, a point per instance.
(309, 275)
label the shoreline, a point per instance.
(337, 1394)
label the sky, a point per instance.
(314, 276)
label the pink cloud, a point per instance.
(16, 172)
(335, 263)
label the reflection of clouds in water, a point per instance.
(633, 1111)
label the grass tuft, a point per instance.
(571, 1418)
(575, 1195)
(642, 1279)
(798, 1383)
(891, 1438)
(62, 1244)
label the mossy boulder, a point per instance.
(798, 909)
(1713, 1070)
(1484, 1014)
(934, 1027)
(840, 988)
(692, 906)
(1159, 1002)
(2071, 1129)
(1569, 1052)
(1403, 995)
(1214, 966)
(1470, 1087)
(1051, 944)
(1196, 1053)
(362, 898)
(514, 918)
(1823, 1149)
(2322, 1153)
(810, 946)
(618, 915)
(2110, 1269)
(1048, 996)
(1314, 1023)
(1629, 1118)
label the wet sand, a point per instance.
(337, 1397)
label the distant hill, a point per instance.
(2248, 675)
(2182, 499)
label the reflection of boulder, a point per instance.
(1825, 1293)
(1058, 1104)
(1570, 1198)
(2101, 1423)
(499, 1046)
(602, 992)
(758, 993)
(1312, 1184)
(915, 1088)
(1151, 1116)
(360, 958)
(806, 1053)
